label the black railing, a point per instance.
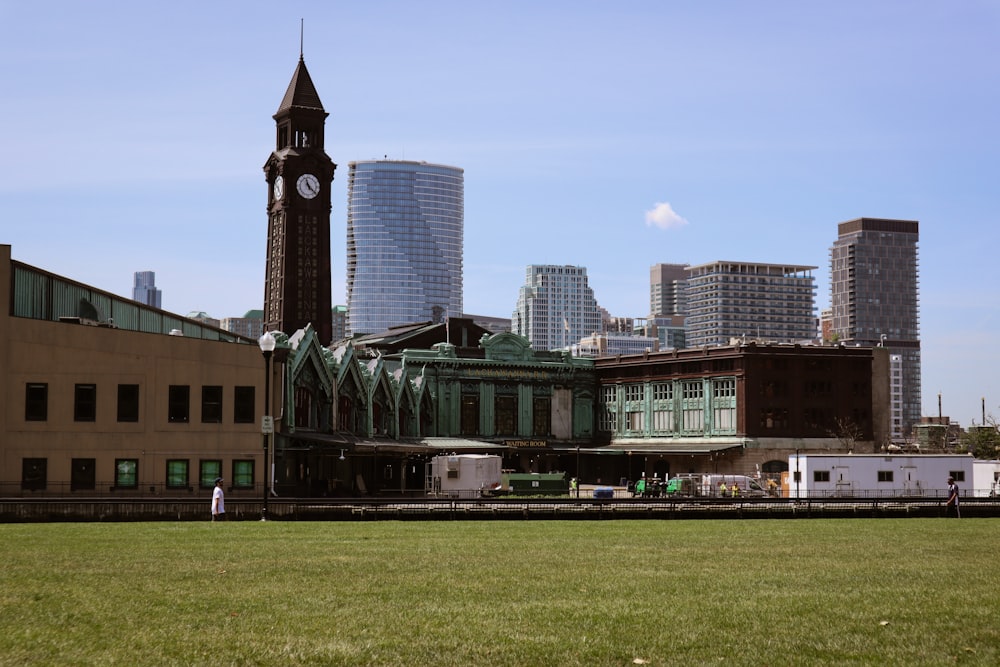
(381, 508)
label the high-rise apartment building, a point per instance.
(771, 302)
(144, 289)
(556, 307)
(405, 236)
(874, 297)
(251, 325)
(666, 289)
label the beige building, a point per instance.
(103, 395)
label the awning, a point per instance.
(311, 440)
(460, 444)
(678, 446)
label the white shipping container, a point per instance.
(464, 475)
(878, 475)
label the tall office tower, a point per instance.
(772, 302)
(873, 295)
(405, 235)
(556, 307)
(666, 289)
(299, 174)
(144, 289)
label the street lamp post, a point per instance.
(267, 343)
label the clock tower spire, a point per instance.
(299, 174)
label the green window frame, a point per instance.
(178, 471)
(243, 474)
(126, 473)
(208, 470)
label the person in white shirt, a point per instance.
(218, 502)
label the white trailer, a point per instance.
(463, 475)
(986, 478)
(878, 475)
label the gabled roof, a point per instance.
(301, 93)
(462, 332)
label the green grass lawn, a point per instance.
(904, 592)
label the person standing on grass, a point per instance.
(218, 502)
(951, 505)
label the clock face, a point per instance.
(279, 187)
(307, 185)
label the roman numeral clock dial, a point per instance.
(307, 186)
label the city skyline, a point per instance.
(613, 138)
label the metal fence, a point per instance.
(14, 510)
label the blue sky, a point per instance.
(135, 135)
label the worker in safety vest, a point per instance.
(735, 490)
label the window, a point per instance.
(958, 475)
(821, 475)
(243, 477)
(693, 407)
(208, 470)
(884, 475)
(470, 414)
(609, 409)
(177, 473)
(36, 402)
(128, 402)
(663, 407)
(34, 474)
(85, 403)
(243, 405)
(126, 473)
(506, 415)
(211, 404)
(82, 475)
(178, 403)
(724, 405)
(541, 416)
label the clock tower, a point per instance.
(299, 174)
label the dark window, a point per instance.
(506, 415)
(211, 404)
(85, 403)
(36, 402)
(243, 474)
(821, 476)
(243, 405)
(470, 414)
(82, 475)
(177, 473)
(128, 402)
(34, 474)
(885, 475)
(541, 417)
(208, 470)
(178, 403)
(958, 475)
(126, 473)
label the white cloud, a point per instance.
(664, 217)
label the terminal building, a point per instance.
(104, 396)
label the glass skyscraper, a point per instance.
(874, 298)
(144, 289)
(405, 235)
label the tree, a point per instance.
(983, 441)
